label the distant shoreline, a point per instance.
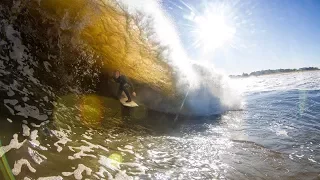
(276, 71)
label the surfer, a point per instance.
(124, 85)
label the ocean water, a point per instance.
(276, 135)
(57, 121)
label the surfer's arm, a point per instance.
(114, 79)
(130, 83)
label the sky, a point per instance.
(239, 36)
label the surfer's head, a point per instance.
(116, 73)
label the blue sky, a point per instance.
(270, 34)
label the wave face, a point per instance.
(81, 43)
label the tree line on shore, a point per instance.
(275, 71)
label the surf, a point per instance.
(78, 49)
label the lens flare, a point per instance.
(302, 101)
(85, 109)
(91, 110)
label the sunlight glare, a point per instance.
(212, 31)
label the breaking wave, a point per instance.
(50, 49)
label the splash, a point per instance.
(206, 90)
(166, 35)
(214, 93)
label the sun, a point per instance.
(212, 30)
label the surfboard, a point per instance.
(129, 104)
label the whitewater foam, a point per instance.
(63, 138)
(87, 137)
(84, 149)
(9, 120)
(14, 144)
(30, 111)
(51, 178)
(26, 130)
(109, 163)
(39, 125)
(18, 165)
(125, 150)
(78, 172)
(103, 170)
(36, 156)
(34, 141)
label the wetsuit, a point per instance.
(125, 84)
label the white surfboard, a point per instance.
(129, 104)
